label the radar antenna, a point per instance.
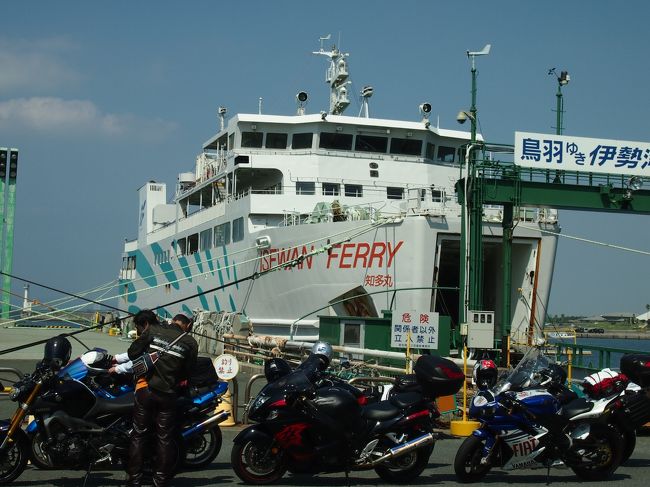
(336, 76)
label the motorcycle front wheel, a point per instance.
(202, 449)
(600, 453)
(629, 444)
(255, 462)
(467, 464)
(405, 468)
(13, 458)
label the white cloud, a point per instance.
(35, 65)
(60, 116)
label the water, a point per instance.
(624, 343)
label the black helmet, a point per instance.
(485, 374)
(557, 373)
(275, 368)
(57, 352)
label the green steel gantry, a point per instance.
(8, 173)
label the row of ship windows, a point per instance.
(205, 240)
(356, 190)
(341, 141)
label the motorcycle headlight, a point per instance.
(256, 404)
(14, 393)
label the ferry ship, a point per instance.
(333, 215)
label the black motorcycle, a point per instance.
(307, 429)
(74, 427)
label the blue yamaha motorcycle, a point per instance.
(83, 418)
(527, 427)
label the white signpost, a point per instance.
(565, 152)
(421, 327)
(226, 366)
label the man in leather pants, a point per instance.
(156, 394)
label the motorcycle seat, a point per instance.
(118, 405)
(406, 399)
(578, 406)
(380, 411)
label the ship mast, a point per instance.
(336, 76)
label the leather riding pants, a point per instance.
(153, 412)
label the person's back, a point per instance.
(156, 393)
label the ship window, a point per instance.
(181, 248)
(222, 234)
(371, 143)
(437, 195)
(431, 150)
(238, 229)
(408, 147)
(393, 193)
(231, 141)
(354, 190)
(331, 189)
(374, 173)
(276, 141)
(205, 239)
(251, 139)
(302, 141)
(446, 154)
(305, 187)
(193, 243)
(335, 140)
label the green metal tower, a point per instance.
(8, 191)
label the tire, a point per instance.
(405, 468)
(629, 444)
(13, 459)
(467, 463)
(37, 456)
(603, 448)
(202, 449)
(255, 463)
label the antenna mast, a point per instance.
(337, 77)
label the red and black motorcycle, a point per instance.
(304, 428)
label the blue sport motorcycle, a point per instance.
(84, 418)
(524, 426)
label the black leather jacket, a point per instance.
(175, 364)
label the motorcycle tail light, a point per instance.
(362, 400)
(279, 404)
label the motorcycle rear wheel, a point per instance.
(256, 463)
(467, 463)
(629, 444)
(201, 450)
(405, 468)
(604, 446)
(13, 459)
(38, 456)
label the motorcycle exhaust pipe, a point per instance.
(404, 448)
(217, 418)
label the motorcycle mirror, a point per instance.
(345, 363)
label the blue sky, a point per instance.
(101, 97)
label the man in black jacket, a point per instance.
(156, 394)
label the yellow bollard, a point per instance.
(465, 426)
(226, 405)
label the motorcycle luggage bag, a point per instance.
(604, 383)
(203, 374)
(637, 367)
(438, 376)
(637, 408)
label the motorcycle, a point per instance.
(523, 425)
(75, 428)
(308, 429)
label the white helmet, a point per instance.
(323, 349)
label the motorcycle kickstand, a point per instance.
(87, 476)
(347, 477)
